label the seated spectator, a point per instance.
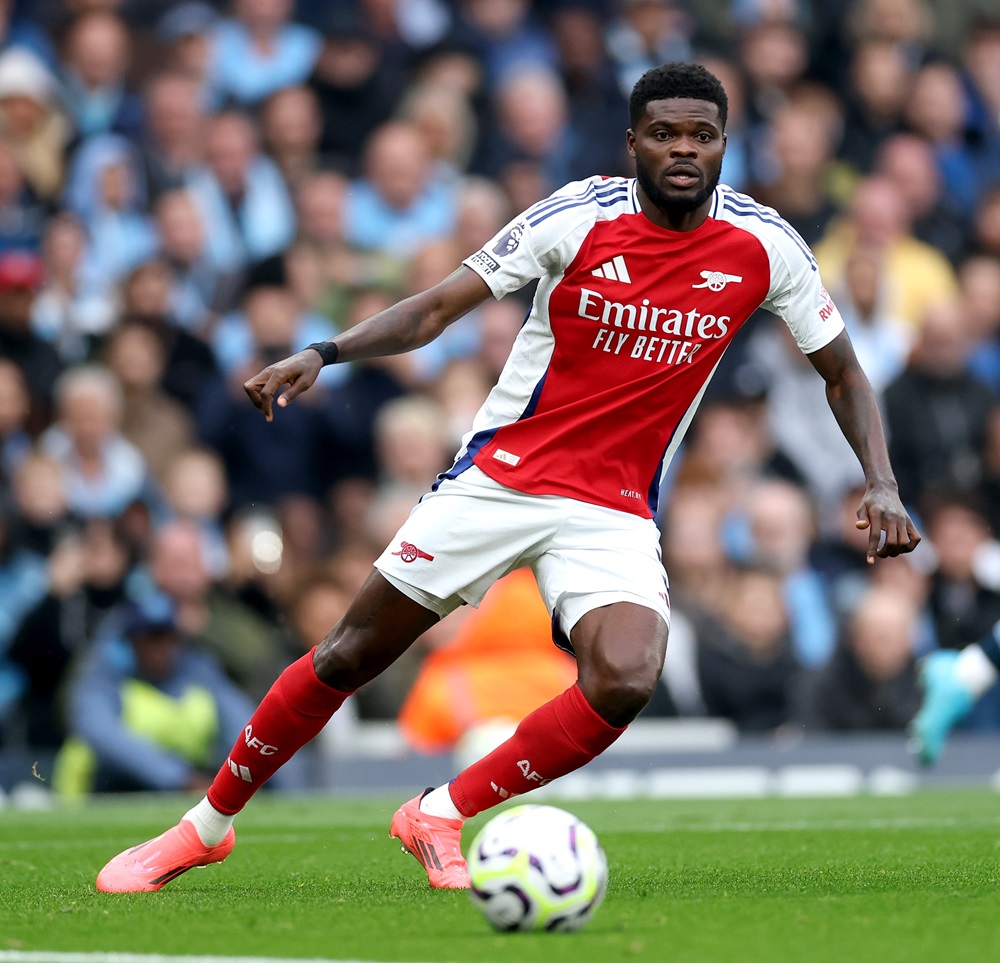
(87, 572)
(878, 85)
(23, 581)
(647, 33)
(242, 194)
(964, 598)
(498, 666)
(507, 37)
(799, 418)
(159, 426)
(358, 86)
(746, 668)
(247, 646)
(291, 127)
(196, 491)
(881, 341)
(32, 122)
(780, 530)
(172, 145)
(985, 235)
(270, 318)
(979, 279)
(533, 130)
(915, 274)
(104, 472)
(15, 408)
(260, 50)
(398, 205)
(97, 51)
(265, 466)
(870, 682)
(937, 109)
(147, 712)
(412, 445)
(106, 191)
(908, 161)
(20, 278)
(448, 125)
(74, 307)
(184, 33)
(146, 299)
(22, 215)
(201, 289)
(936, 411)
(797, 177)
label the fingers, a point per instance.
(875, 526)
(261, 390)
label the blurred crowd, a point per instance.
(189, 191)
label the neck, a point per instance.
(672, 220)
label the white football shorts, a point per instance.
(471, 531)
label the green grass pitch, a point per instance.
(891, 878)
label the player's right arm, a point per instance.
(409, 324)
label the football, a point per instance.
(537, 868)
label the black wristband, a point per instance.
(327, 350)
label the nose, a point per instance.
(684, 147)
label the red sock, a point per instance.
(293, 712)
(555, 739)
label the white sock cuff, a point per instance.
(209, 823)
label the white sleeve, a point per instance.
(529, 246)
(797, 294)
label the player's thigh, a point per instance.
(598, 558)
(460, 539)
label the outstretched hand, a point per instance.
(882, 511)
(297, 372)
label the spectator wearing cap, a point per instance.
(145, 711)
(32, 122)
(185, 33)
(260, 50)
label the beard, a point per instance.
(684, 204)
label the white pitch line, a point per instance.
(46, 956)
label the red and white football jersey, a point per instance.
(628, 324)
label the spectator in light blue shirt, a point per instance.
(398, 205)
(241, 195)
(259, 51)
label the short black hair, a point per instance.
(677, 79)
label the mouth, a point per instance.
(683, 176)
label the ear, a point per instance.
(630, 142)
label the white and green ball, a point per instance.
(537, 868)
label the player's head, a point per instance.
(678, 115)
(677, 80)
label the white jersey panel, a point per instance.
(796, 292)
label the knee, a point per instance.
(618, 693)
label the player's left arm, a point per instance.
(854, 405)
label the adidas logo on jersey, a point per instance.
(613, 270)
